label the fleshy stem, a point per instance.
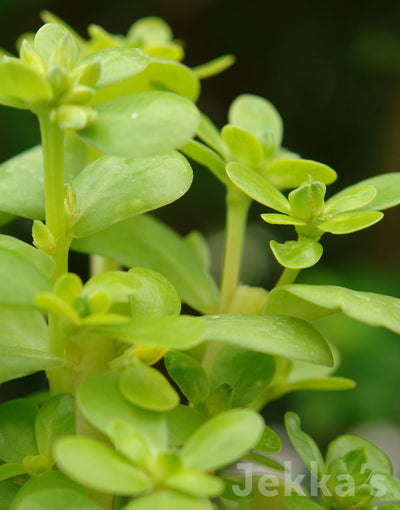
(53, 160)
(61, 380)
(288, 276)
(99, 264)
(237, 208)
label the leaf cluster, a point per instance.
(354, 474)
(117, 116)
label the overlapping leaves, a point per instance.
(248, 151)
(27, 434)
(306, 210)
(312, 302)
(143, 457)
(355, 473)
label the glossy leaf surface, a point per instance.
(209, 133)
(271, 334)
(147, 388)
(269, 442)
(97, 466)
(392, 486)
(160, 74)
(20, 278)
(304, 444)
(354, 198)
(213, 67)
(206, 157)
(42, 262)
(50, 38)
(101, 402)
(23, 344)
(111, 189)
(188, 374)
(130, 443)
(22, 181)
(311, 302)
(256, 187)
(55, 418)
(182, 422)
(167, 332)
(17, 362)
(378, 461)
(147, 291)
(247, 372)
(387, 191)
(222, 440)
(195, 483)
(321, 383)
(150, 30)
(243, 145)
(297, 254)
(258, 116)
(219, 400)
(307, 201)
(282, 219)
(351, 222)
(17, 430)
(142, 124)
(117, 64)
(146, 241)
(292, 173)
(22, 85)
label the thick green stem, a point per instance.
(99, 264)
(288, 276)
(90, 355)
(59, 378)
(236, 217)
(53, 161)
(237, 208)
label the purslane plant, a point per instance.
(117, 117)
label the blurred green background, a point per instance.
(333, 71)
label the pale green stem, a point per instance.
(99, 264)
(237, 209)
(288, 276)
(53, 162)
(238, 206)
(89, 355)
